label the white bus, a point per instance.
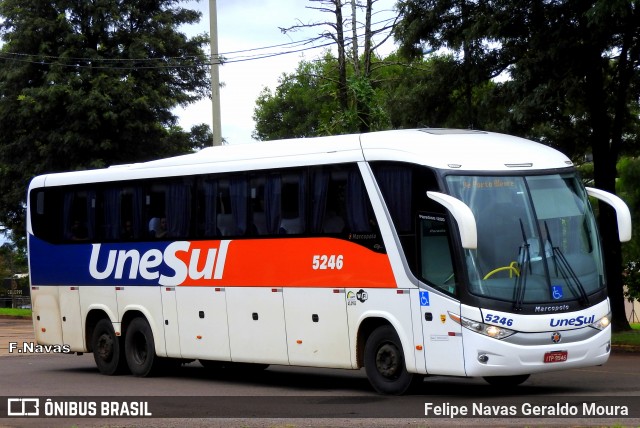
(408, 253)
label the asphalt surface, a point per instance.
(15, 330)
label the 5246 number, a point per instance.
(496, 319)
(324, 262)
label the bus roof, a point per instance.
(460, 150)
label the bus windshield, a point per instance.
(537, 240)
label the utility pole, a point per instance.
(215, 74)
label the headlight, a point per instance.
(602, 323)
(482, 328)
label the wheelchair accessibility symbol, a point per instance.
(556, 292)
(424, 298)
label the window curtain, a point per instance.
(138, 209)
(210, 189)
(112, 208)
(66, 213)
(178, 209)
(86, 220)
(320, 188)
(302, 200)
(357, 206)
(238, 193)
(272, 203)
(395, 183)
(91, 217)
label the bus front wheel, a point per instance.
(384, 363)
(139, 348)
(107, 349)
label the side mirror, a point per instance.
(464, 217)
(623, 215)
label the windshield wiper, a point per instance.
(524, 259)
(562, 265)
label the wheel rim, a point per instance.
(105, 347)
(388, 361)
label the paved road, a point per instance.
(303, 396)
(13, 330)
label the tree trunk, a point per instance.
(364, 107)
(604, 163)
(342, 62)
(354, 40)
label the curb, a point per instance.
(625, 348)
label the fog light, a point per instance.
(608, 346)
(483, 358)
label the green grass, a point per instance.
(15, 312)
(631, 337)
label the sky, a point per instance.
(253, 24)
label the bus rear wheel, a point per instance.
(107, 350)
(384, 363)
(139, 348)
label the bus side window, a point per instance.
(178, 208)
(266, 200)
(231, 211)
(119, 212)
(46, 214)
(207, 207)
(131, 208)
(156, 211)
(169, 209)
(340, 206)
(257, 184)
(404, 188)
(231, 206)
(79, 215)
(293, 203)
(435, 252)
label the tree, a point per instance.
(573, 68)
(629, 177)
(306, 103)
(432, 92)
(354, 88)
(428, 92)
(86, 84)
(303, 104)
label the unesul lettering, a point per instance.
(148, 264)
(575, 322)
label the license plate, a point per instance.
(555, 357)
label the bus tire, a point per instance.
(139, 348)
(384, 363)
(506, 381)
(107, 349)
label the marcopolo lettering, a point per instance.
(573, 322)
(152, 264)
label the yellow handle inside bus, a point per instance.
(512, 268)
